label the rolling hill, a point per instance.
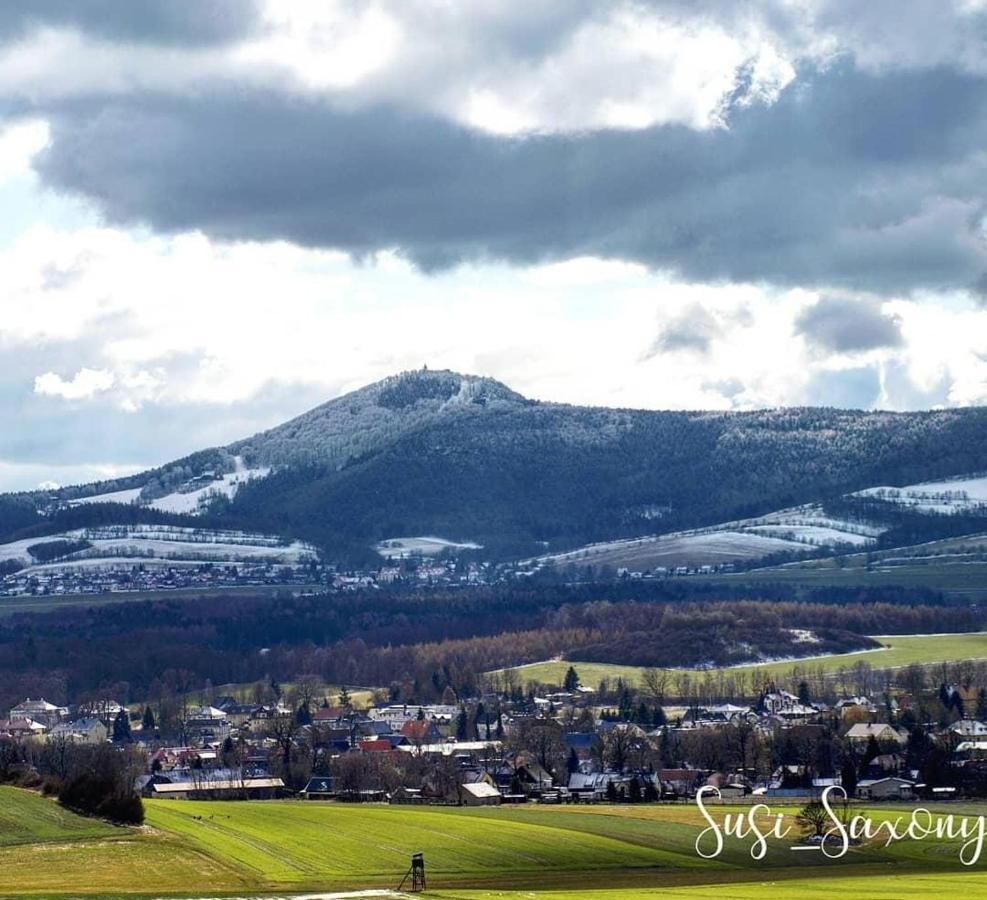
(465, 459)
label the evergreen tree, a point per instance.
(572, 763)
(805, 698)
(611, 792)
(571, 680)
(302, 715)
(625, 709)
(147, 720)
(848, 776)
(462, 724)
(121, 728)
(345, 700)
(635, 791)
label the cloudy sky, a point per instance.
(218, 214)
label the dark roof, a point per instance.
(319, 786)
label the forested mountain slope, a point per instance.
(467, 458)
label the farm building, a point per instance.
(317, 789)
(480, 794)
(885, 789)
(216, 789)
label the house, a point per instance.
(595, 786)
(885, 763)
(165, 759)
(239, 714)
(396, 715)
(376, 746)
(680, 782)
(207, 724)
(861, 733)
(589, 787)
(42, 711)
(421, 731)
(969, 750)
(21, 729)
(969, 728)
(318, 788)
(82, 731)
(852, 704)
(534, 777)
(885, 789)
(479, 793)
(329, 715)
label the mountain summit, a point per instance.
(375, 416)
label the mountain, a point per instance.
(468, 459)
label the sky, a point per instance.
(216, 215)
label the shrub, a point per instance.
(95, 795)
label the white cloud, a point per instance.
(19, 143)
(84, 385)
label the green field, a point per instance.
(885, 887)
(957, 579)
(196, 849)
(32, 603)
(902, 650)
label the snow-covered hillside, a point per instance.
(399, 548)
(189, 499)
(792, 530)
(108, 545)
(945, 497)
(706, 548)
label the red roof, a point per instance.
(416, 729)
(376, 746)
(328, 713)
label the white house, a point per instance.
(48, 714)
(82, 731)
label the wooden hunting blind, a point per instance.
(416, 872)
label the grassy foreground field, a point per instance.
(201, 849)
(901, 650)
(885, 887)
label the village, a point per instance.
(571, 745)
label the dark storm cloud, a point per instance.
(844, 325)
(189, 22)
(693, 330)
(865, 181)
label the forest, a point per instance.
(418, 643)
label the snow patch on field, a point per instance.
(113, 544)
(399, 548)
(682, 548)
(793, 530)
(126, 497)
(946, 497)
